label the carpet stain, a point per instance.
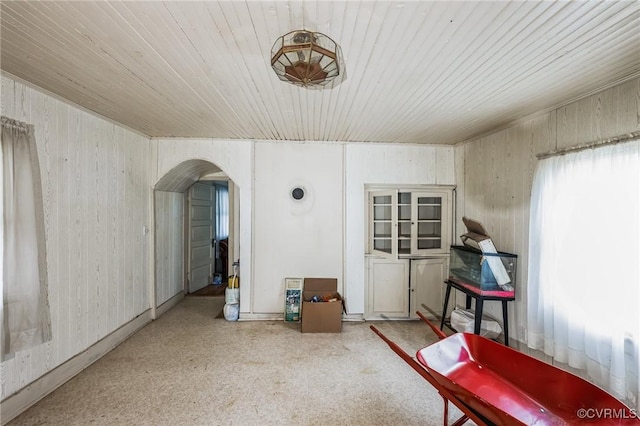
(369, 370)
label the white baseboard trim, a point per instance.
(169, 304)
(353, 317)
(245, 316)
(17, 403)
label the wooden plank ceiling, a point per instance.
(418, 72)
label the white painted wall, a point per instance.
(495, 173)
(296, 238)
(382, 164)
(95, 181)
(169, 245)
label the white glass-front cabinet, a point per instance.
(403, 223)
(408, 251)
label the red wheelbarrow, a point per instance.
(493, 384)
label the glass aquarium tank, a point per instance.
(486, 271)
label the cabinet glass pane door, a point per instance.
(429, 221)
(409, 223)
(382, 223)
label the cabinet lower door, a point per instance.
(427, 286)
(388, 287)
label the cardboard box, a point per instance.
(321, 317)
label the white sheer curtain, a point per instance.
(25, 306)
(584, 264)
(222, 211)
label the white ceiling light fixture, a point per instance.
(307, 59)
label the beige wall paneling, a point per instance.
(98, 187)
(495, 172)
(63, 221)
(77, 306)
(94, 177)
(42, 106)
(460, 193)
(142, 216)
(628, 115)
(497, 176)
(169, 248)
(473, 158)
(609, 113)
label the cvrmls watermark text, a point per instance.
(607, 413)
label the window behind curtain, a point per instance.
(25, 306)
(584, 257)
(222, 211)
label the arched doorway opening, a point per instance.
(188, 232)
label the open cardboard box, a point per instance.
(321, 317)
(475, 235)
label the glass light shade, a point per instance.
(305, 59)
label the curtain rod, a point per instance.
(591, 145)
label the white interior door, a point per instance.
(201, 235)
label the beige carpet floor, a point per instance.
(190, 368)
(210, 290)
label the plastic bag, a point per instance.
(231, 311)
(232, 295)
(463, 320)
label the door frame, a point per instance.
(178, 180)
(234, 219)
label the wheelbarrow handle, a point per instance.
(447, 396)
(406, 357)
(435, 329)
